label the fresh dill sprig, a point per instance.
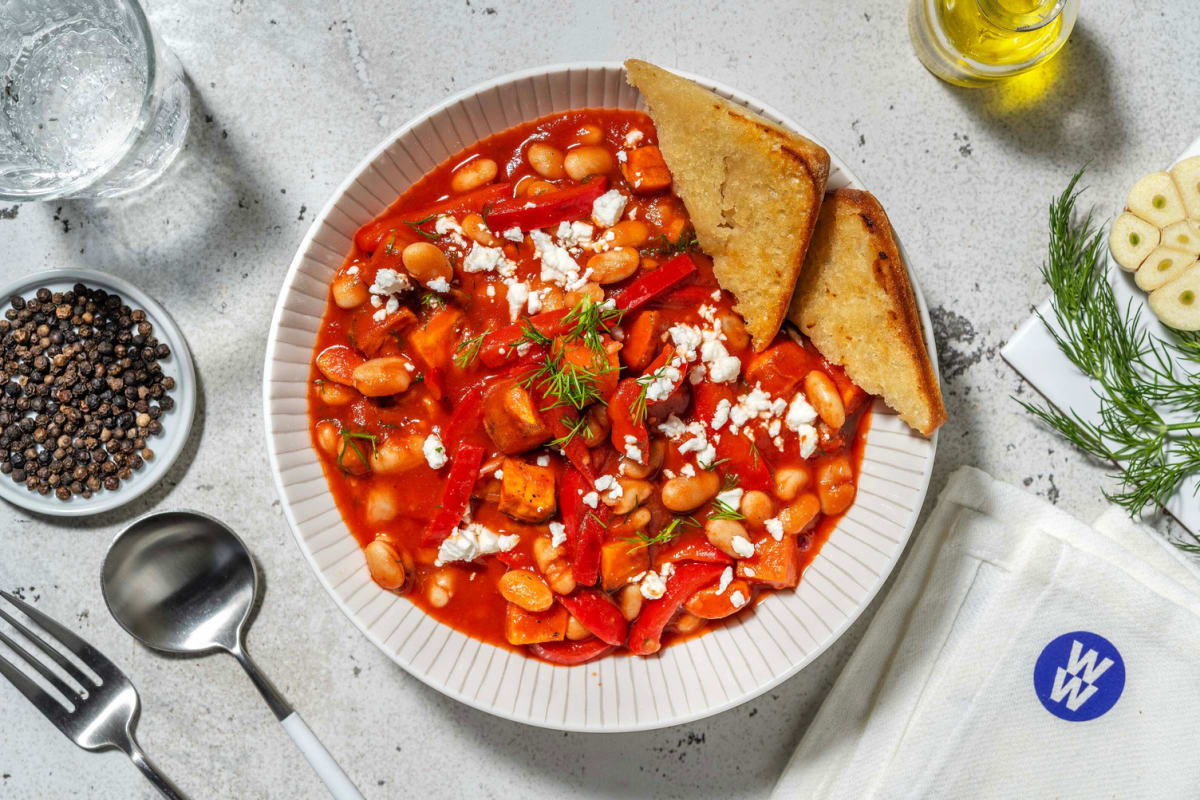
(416, 226)
(531, 335)
(721, 509)
(564, 382)
(711, 465)
(588, 320)
(638, 407)
(642, 539)
(350, 442)
(468, 350)
(1148, 405)
(431, 301)
(574, 428)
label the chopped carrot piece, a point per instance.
(646, 170)
(642, 340)
(620, 561)
(774, 564)
(529, 627)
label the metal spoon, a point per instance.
(183, 582)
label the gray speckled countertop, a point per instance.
(289, 96)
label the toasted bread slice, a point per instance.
(855, 303)
(751, 188)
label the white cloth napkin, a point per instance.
(1002, 599)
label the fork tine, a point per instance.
(45, 703)
(84, 651)
(58, 683)
(58, 658)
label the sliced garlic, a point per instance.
(1155, 199)
(1131, 240)
(1161, 267)
(1177, 304)
(1183, 235)
(1186, 175)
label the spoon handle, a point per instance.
(318, 757)
(326, 768)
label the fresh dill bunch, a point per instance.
(564, 382)
(588, 320)
(1149, 407)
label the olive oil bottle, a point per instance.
(974, 42)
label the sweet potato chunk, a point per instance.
(780, 368)
(774, 564)
(646, 170)
(434, 342)
(512, 420)
(527, 491)
(620, 561)
(529, 627)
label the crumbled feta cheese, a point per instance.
(662, 383)
(731, 498)
(543, 460)
(721, 414)
(622, 156)
(471, 541)
(390, 307)
(376, 301)
(388, 281)
(514, 234)
(688, 470)
(749, 406)
(498, 474)
(518, 293)
(632, 451)
(808, 440)
(435, 452)
(774, 527)
(447, 224)
(742, 547)
(738, 599)
(687, 340)
(558, 533)
(773, 428)
(800, 412)
(353, 270)
(591, 499)
(726, 579)
(749, 572)
(633, 137)
(653, 585)
(608, 208)
(558, 267)
(534, 305)
(482, 259)
(574, 234)
(722, 367)
(491, 290)
(439, 284)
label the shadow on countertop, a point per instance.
(1051, 111)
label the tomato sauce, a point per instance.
(422, 343)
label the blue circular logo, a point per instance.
(1079, 676)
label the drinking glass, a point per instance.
(975, 42)
(91, 102)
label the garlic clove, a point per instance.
(1162, 266)
(1155, 199)
(1177, 304)
(1131, 240)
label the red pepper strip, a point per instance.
(570, 653)
(645, 637)
(464, 471)
(596, 612)
(466, 419)
(581, 458)
(584, 527)
(498, 345)
(655, 283)
(370, 236)
(546, 209)
(688, 297)
(690, 546)
(620, 412)
(516, 559)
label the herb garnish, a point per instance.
(642, 539)
(1148, 406)
(574, 428)
(468, 350)
(349, 443)
(587, 320)
(565, 383)
(665, 247)
(431, 301)
(711, 466)
(416, 226)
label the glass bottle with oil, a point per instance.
(975, 42)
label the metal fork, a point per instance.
(104, 715)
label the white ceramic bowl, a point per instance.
(708, 674)
(177, 423)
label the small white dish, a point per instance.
(687, 681)
(177, 423)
